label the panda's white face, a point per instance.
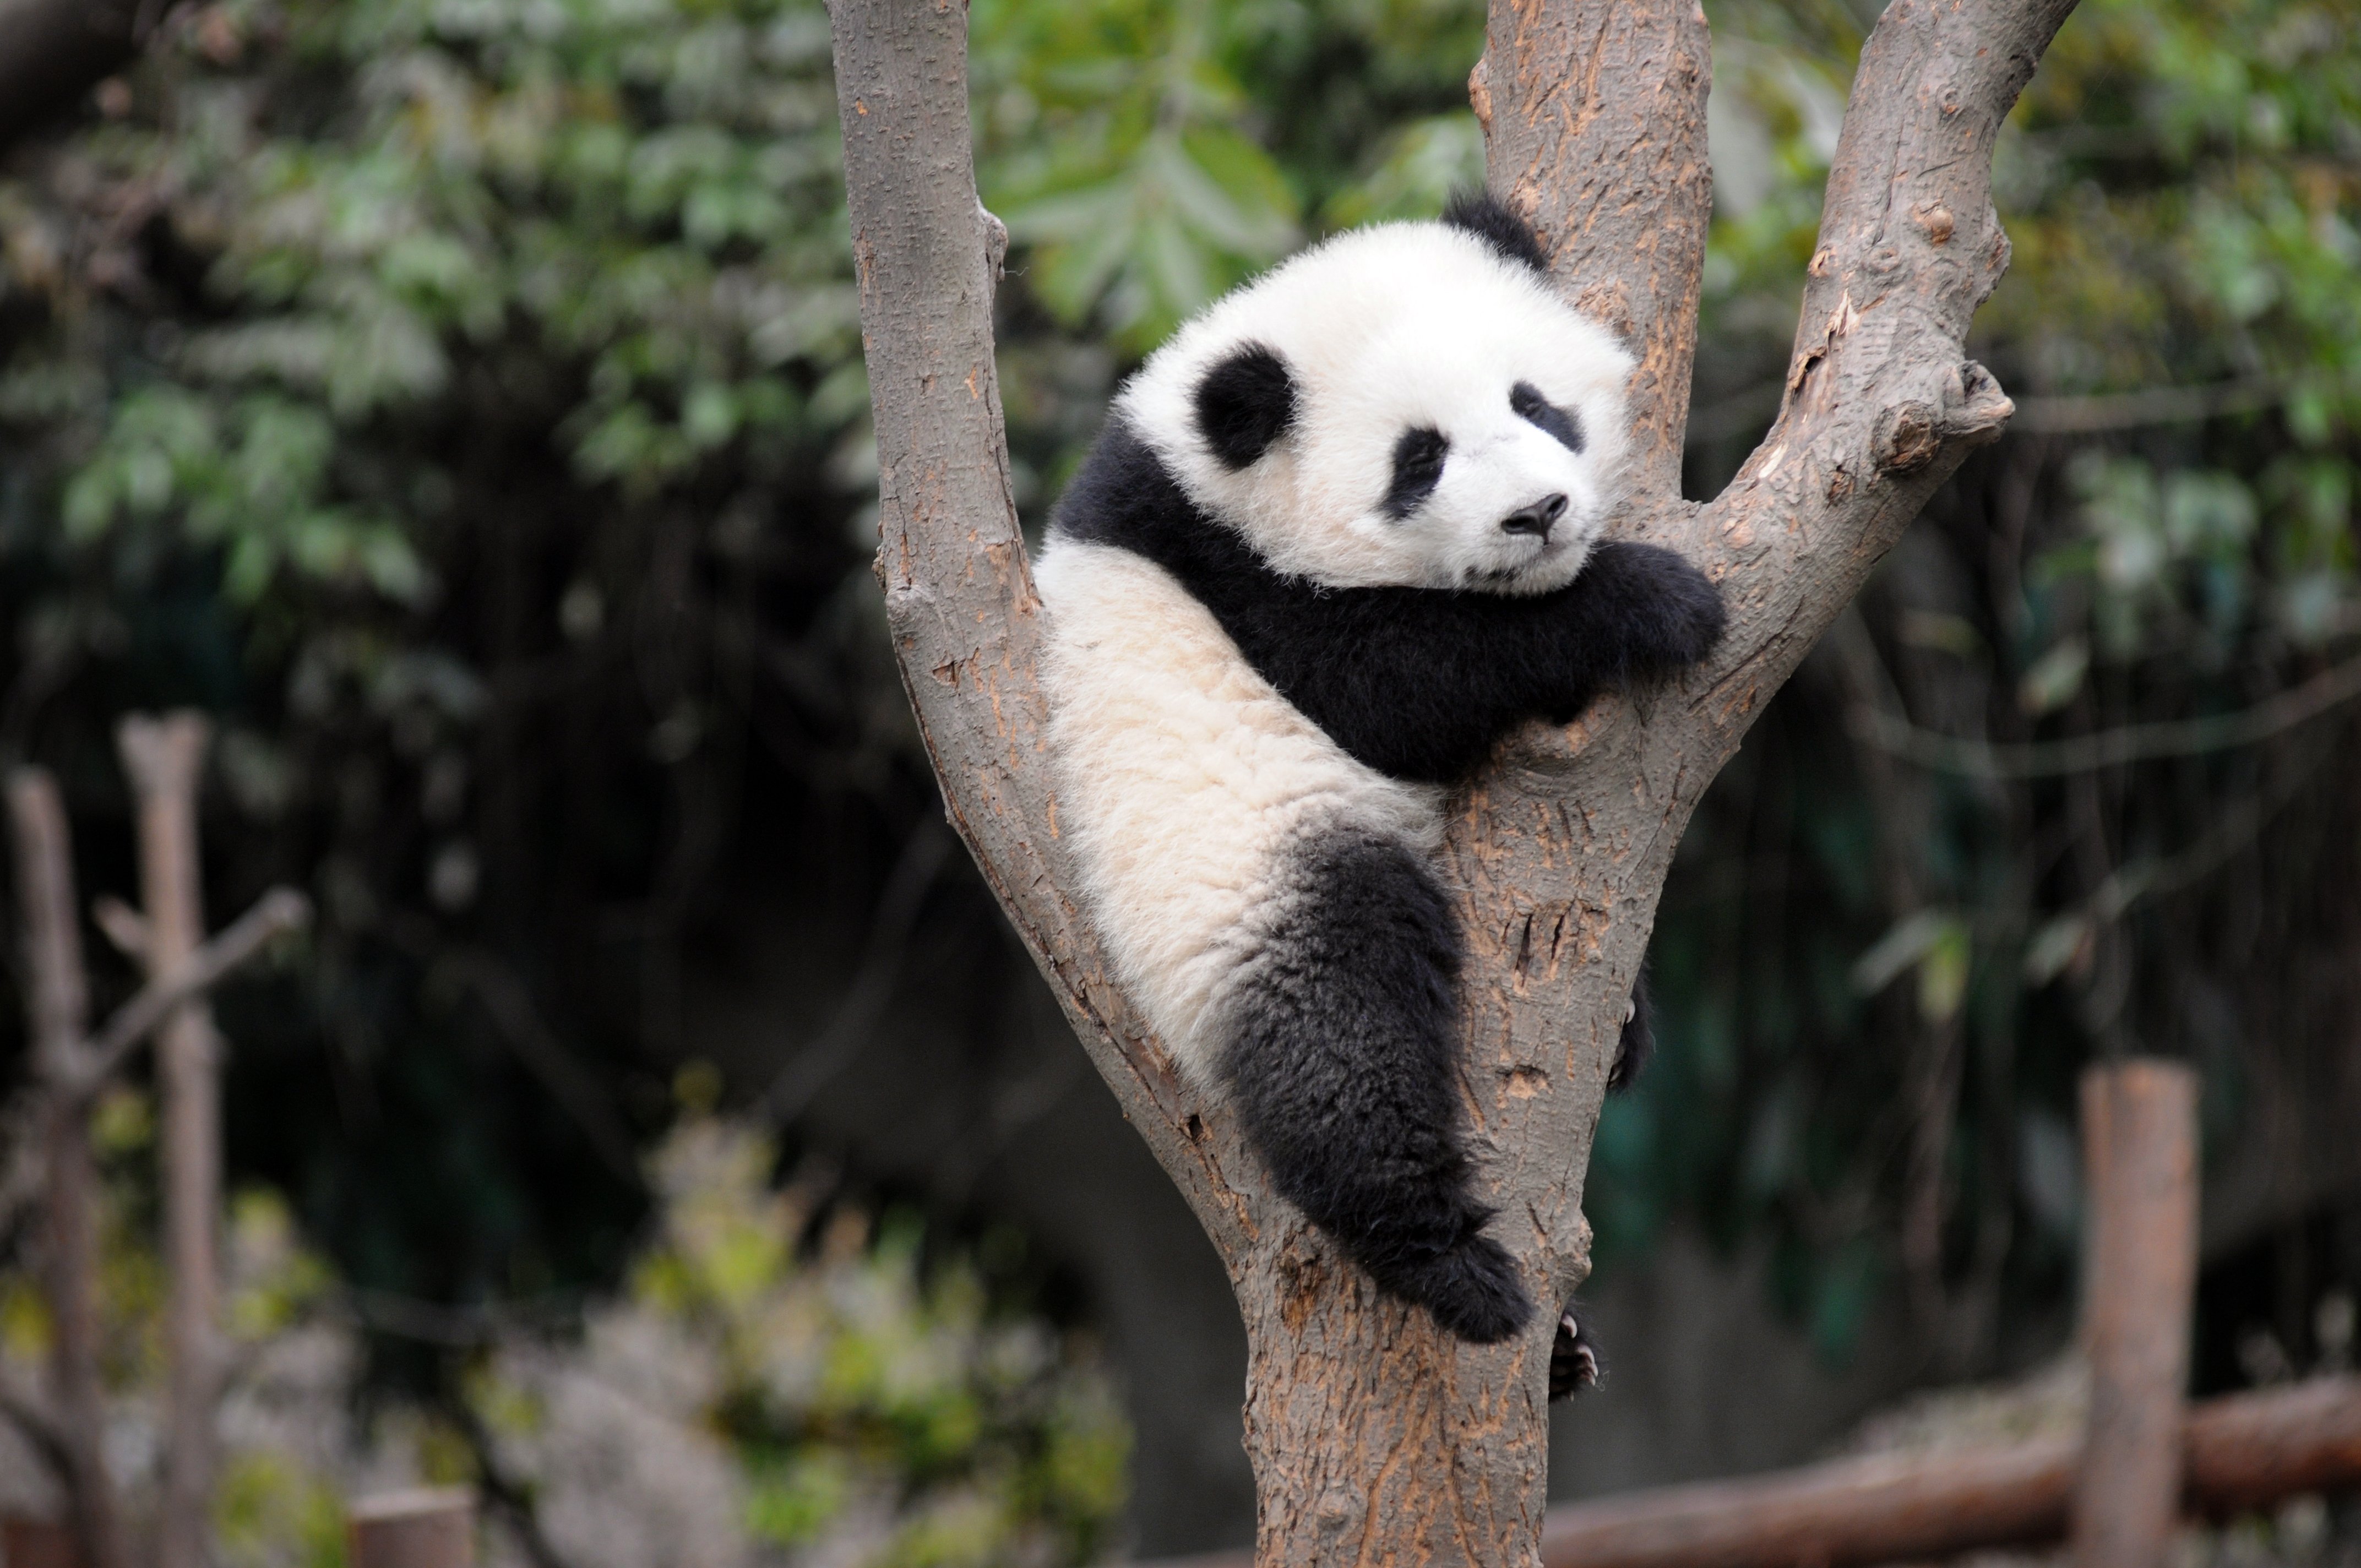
(1402, 406)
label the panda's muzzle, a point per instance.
(1537, 519)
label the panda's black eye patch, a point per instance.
(1418, 468)
(1246, 403)
(1525, 400)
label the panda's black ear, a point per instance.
(1491, 220)
(1246, 403)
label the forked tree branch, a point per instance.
(1373, 1437)
(86, 1070)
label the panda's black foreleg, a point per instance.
(1342, 1063)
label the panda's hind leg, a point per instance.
(1343, 1062)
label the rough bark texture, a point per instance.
(2139, 1144)
(58, 1008)
(165, 760)
(1373, 1438)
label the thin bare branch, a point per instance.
(509, 1001)
(279, 911)
(56, 1005)
(2323, 694)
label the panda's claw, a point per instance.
(1638, 1040)
(1573, 1358)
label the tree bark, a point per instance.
(1373, 1437)
(58, 1008)
(429, 1527)
(165, 760)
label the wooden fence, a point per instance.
(2142, 1464)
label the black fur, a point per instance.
(1418, 468)
(1343, 1033)
(1244, 404)
(1525, 400)
(1491, 220)
(1344, 1064)
(1417, 682)
(1574, 1363)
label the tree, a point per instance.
(1374, 1436)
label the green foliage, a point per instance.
(877, 1409)
(270, 1512)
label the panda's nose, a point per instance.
(1537, 519)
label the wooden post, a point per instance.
(37, 1544)
(57, 1006)
(165, 758)
(429, 1527)
(2139, 1144)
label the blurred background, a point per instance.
(460, 401)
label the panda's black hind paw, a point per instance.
(1472, 1289)
(1638, 1041)
(1573, 1358)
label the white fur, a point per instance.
(1383, 329)
(1180, 774)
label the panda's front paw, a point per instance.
(1658, 612)
(1691, 616)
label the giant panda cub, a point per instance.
(1340, 535)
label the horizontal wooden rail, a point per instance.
(2239, 1453)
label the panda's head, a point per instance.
(1408, 405)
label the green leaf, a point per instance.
(2050, 682)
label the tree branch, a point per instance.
(279, 910)
(960, 600)
(58, 1008)
(282, 909)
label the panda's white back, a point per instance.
(1181, 775)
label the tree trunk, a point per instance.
(58, 1004)
(165, 760)
(1373, 1437)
